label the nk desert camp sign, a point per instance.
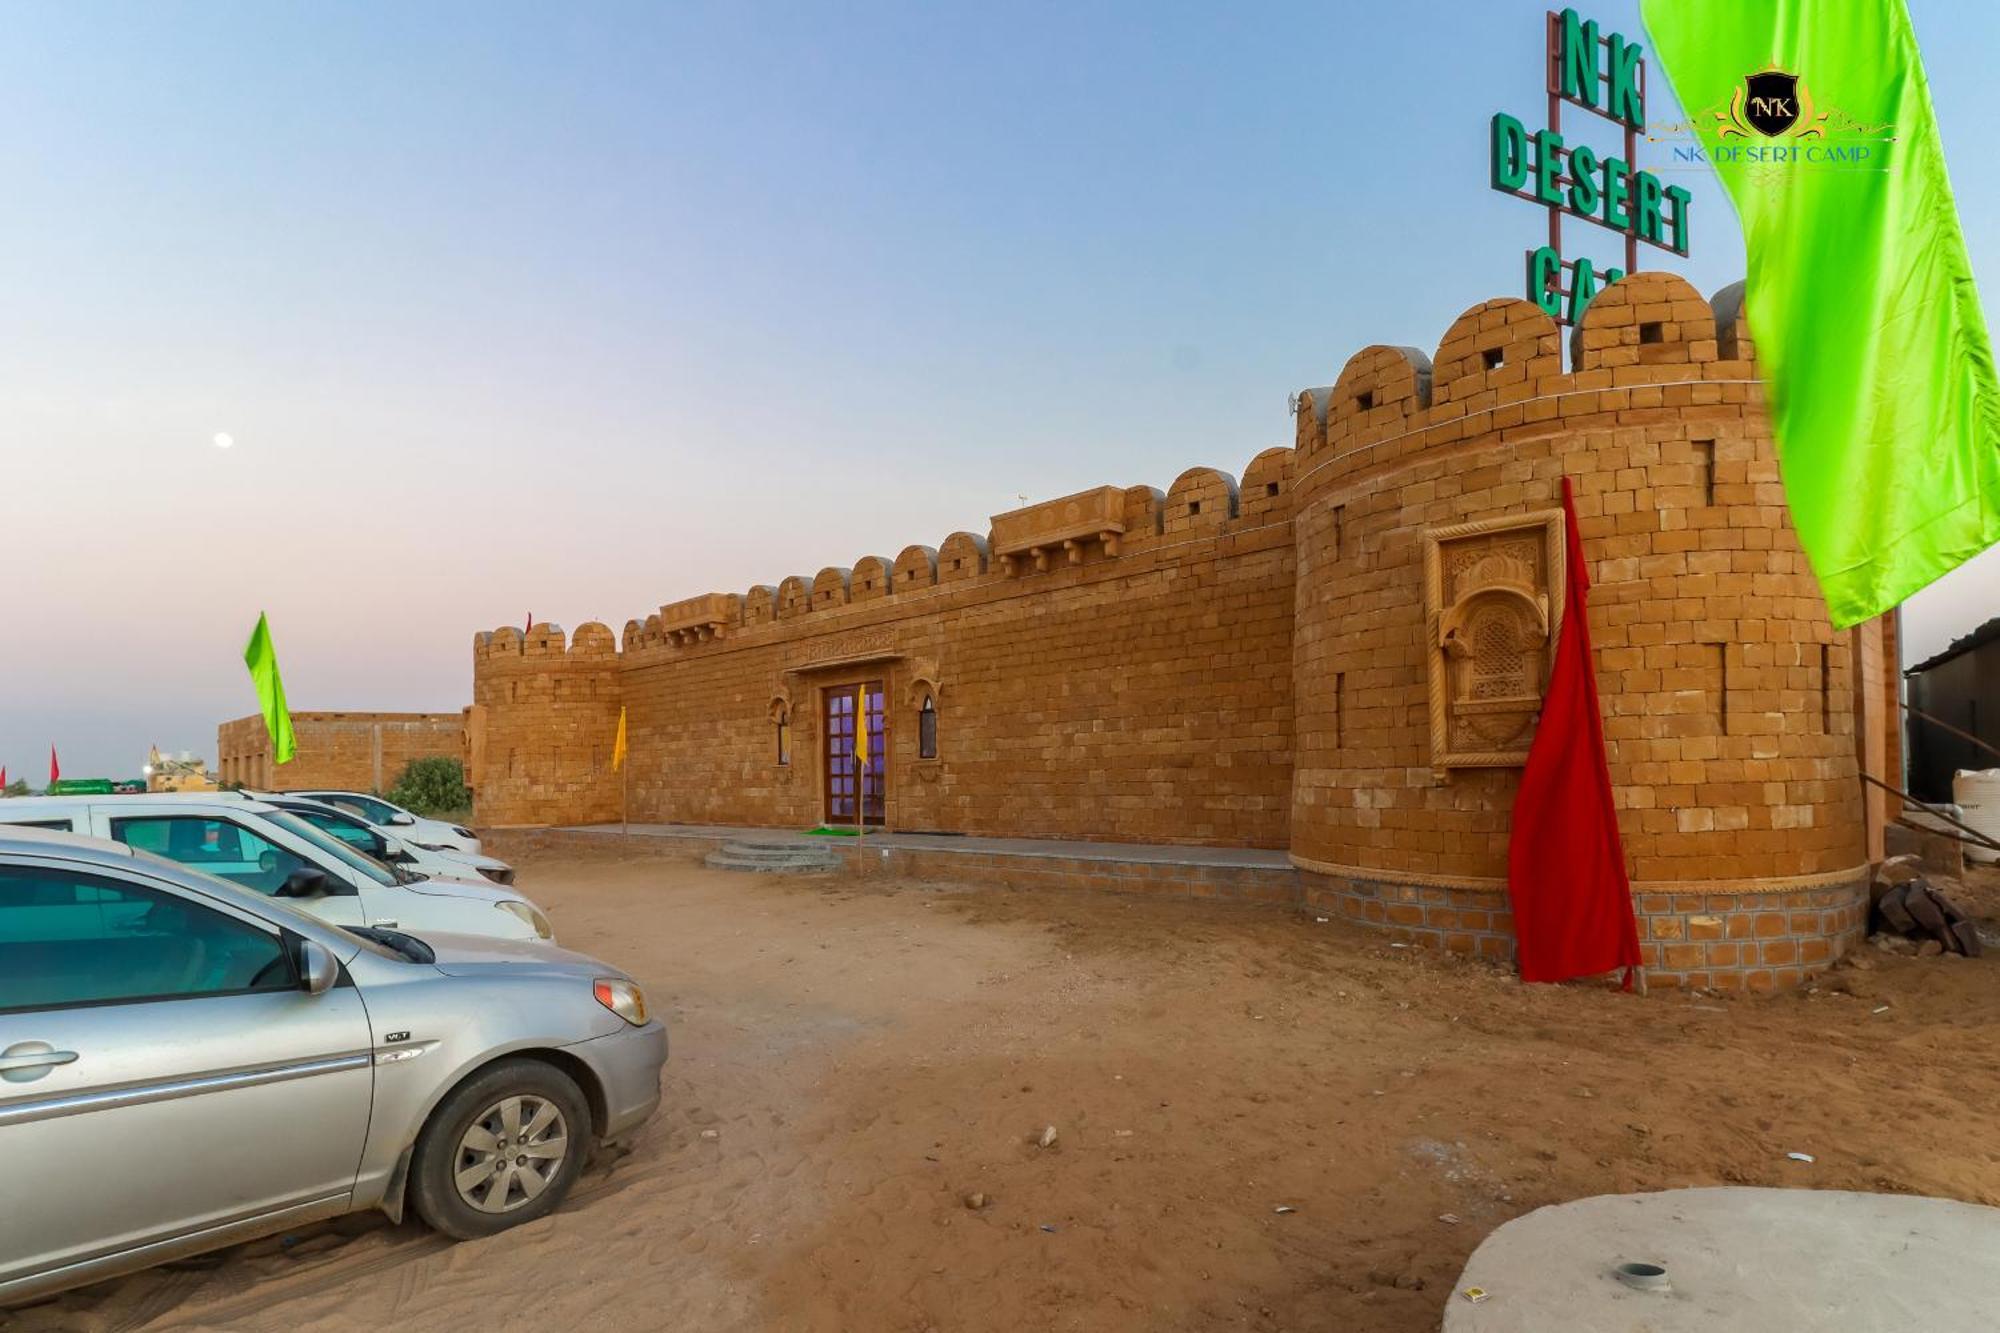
(1605, 75)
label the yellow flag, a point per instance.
(861, 731)
(618, 746)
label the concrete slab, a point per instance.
(1755, 1260)
(1140, 852)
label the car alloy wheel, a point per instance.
(510, 1153)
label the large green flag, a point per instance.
(1859, 295)
(262, 659)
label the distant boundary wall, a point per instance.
(345, 751)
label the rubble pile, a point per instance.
(1910, 916)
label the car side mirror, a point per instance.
(401, 820)
(318, 968)
(305, 882)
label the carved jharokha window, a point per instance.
(1493, 594)
(927, 729)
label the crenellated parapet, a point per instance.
(543, 718)
(1103, 523)
(1648, 340)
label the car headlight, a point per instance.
(621, 997)
(463, 832)
(529, 915)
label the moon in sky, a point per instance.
(223, 439)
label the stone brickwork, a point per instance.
(1142, 696)
(543, 720)
(344, 751)
(1339, 654)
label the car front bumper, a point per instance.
(627, 1065)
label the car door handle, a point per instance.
(33, 1055)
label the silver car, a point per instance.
(185, 1064)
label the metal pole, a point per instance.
(1632, 164)
(1927, 808)
(861, 777)
(1939, 722)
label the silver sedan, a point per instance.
(186, 1064)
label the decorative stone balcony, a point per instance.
(700, 619)
(1068, 525)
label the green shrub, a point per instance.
(432, 787)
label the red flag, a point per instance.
(531, 623)
(3, 778)
(1565, 864)
(55, 769)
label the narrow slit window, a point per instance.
(1339, 529)
(1722, 691)
(1270, 488)
(1365, 400)
(1704, 451)
(1826, 688)
(784, 730)
(1652, 331)
(927, 729)
(1339, 708)
(1194, 507)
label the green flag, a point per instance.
(262, 659)
(1817, 117)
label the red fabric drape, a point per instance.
(1565, 863)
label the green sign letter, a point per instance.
(1625, 101)
(1578, 56)
(1543, 266)
(1548, 167)
(1582, 286)
(1583, 192)
(1678, 221)
(1617, 194)
(1510, 152)
(1646, 209)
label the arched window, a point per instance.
(784, 730)
(927, 729)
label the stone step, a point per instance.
(793, 858)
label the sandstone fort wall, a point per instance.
(1340, 653)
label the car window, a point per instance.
(217, 846)
(58, 825)
(370, 809)
(69, 939)
(333, 847)
(347, 828)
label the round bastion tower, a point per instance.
(1430, 576)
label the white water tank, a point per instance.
(1977, 792)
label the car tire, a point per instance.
(486, 1161)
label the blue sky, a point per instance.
(575, 310)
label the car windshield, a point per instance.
(334, 847)
(275, 910)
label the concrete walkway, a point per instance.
(1739, 1261)
(1052, 848)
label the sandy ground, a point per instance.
(1263, 1121)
